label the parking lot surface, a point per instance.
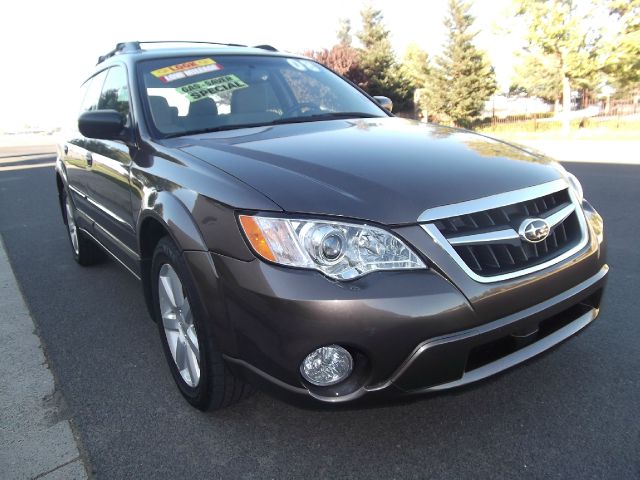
(573, 413)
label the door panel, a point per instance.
(109, 190)
(108, 185)
(78, 146)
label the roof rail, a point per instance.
(120, 47)
(196, 42)
(126, 47)
(267, 47)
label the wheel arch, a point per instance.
(165, 215)
(61, 184)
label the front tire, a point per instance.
(196, 364)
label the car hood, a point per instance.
(387, 170)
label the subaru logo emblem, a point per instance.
(534, 230)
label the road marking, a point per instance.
(26, 157)
(26, 167)
(37, 154)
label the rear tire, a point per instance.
(196, 364)
(85, 251)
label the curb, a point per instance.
(36, 440)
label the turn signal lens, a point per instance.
(255, 237)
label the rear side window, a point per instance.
(115, 92)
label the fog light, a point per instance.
(327, 365)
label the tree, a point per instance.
(344, 60)
(539, 75)
(623, 62)
(415, 73)
(463, 79)
(344, 32)
(377, 59)
(415, 66)
(563, 30)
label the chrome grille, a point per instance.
(488, 243)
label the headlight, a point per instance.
(343, 251)
(575, 185)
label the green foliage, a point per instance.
(623, 61)
(415, 67)
(566, 30)
(463, 78)
(575, 42)
(344, 32)
(415, 71)
(571, 44)
(539, 75)
(564, 34)
(378, 61)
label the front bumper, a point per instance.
(467, 356)
(409, 332)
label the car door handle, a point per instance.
(66, 149)
(89, 159)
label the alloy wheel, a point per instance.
(71, 225)
(179, 327)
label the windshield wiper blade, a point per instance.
(302, 119)
(324, 116)
(220, 128)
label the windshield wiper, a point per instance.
(220, 128)
(279, 121)
(323, 116)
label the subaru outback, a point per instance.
(289, 232)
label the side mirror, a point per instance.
(102, 124)
(385, 102)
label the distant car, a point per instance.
(288, 231)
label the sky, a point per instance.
(50, 47)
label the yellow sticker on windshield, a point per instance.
(203, 89)
(186, 69)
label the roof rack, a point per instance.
(120, 48)
(266, 47)
(125, 47)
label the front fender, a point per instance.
(167, 209)
(61, 170)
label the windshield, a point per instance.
(221, 92)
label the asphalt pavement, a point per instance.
(572, 413)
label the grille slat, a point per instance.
(486, 257)
(470, 259)
(562, 233)
(498, 258)
(504, 255)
